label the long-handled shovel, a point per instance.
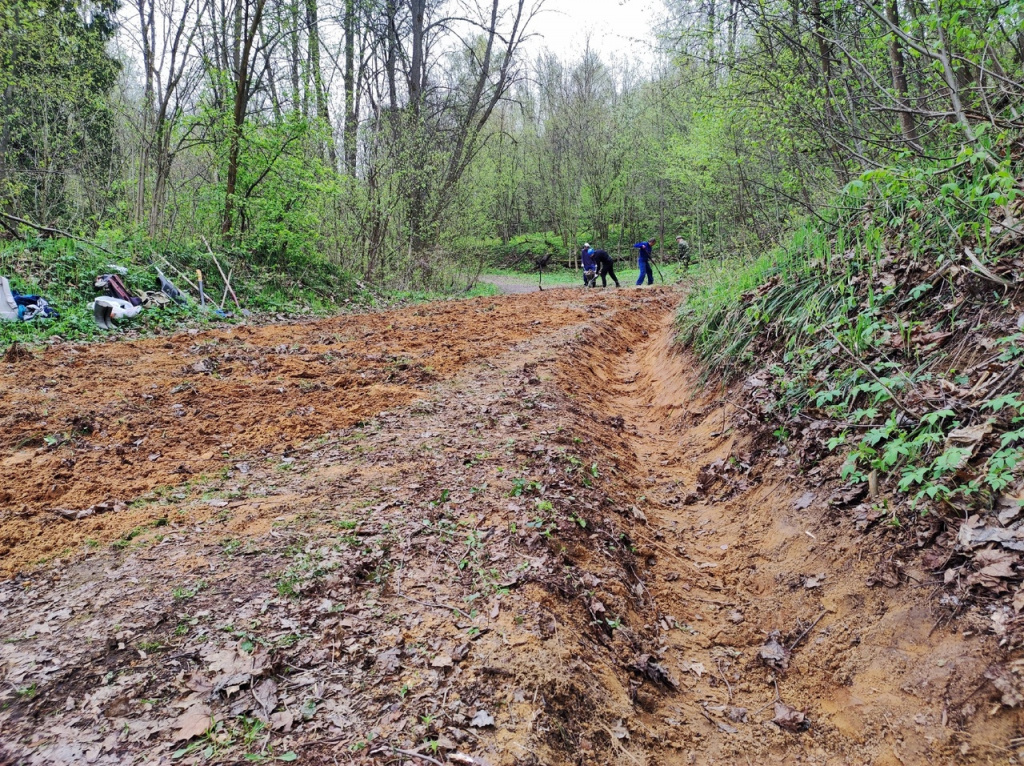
(658, 269)
(202, 295)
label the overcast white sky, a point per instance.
(621, 27)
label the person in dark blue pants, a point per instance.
(589, 266)
(644, 261)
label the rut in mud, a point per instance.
(502, 531)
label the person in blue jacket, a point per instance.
(589, 265)
(644, 260)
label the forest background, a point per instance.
(403, 142)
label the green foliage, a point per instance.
(57, 124)
(845, 333)
(63, 272)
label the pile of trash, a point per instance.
(15, 307)
(116, 304)
(119, 303)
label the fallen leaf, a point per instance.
(619, 731)
(282, 721)
(388, 662)
(441, 661)
(848, 495)
(999, 569)
(655, 671)
(1018, 600)
(969, 434)
(1009, 507)
(804, 501)
(790, 718)
(482, 719)
(774, 654)
(814, 581)
(1006, 678)
(933, 337)
(236, 668)
(265, 694)
(1000, 619)
(886, 573)
(697, 668)
(193, 722)
(444, 743)
(737, 714)
(469, 760)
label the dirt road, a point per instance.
(509, 530)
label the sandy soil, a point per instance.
(500, 531)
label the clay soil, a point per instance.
(503, 530)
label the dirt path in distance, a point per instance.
(496, 531)
(511, 285)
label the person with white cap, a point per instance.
(589, 265)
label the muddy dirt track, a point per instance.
(504, 530)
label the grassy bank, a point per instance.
(889, 330)
(63, 271)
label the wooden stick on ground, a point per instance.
(227, 281)
(224, 297)
(803, 635)
(51, 230)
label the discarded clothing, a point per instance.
(157, 298)
(32, 306)
(167, 288)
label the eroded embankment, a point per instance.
(796, 637)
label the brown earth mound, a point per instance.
(549, 547)
(81, 425)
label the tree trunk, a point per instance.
(712, 21)
(351, 125)
(241, 104)
(899, 79)
(320, 95)
(299, 94)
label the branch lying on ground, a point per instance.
(51, 230)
